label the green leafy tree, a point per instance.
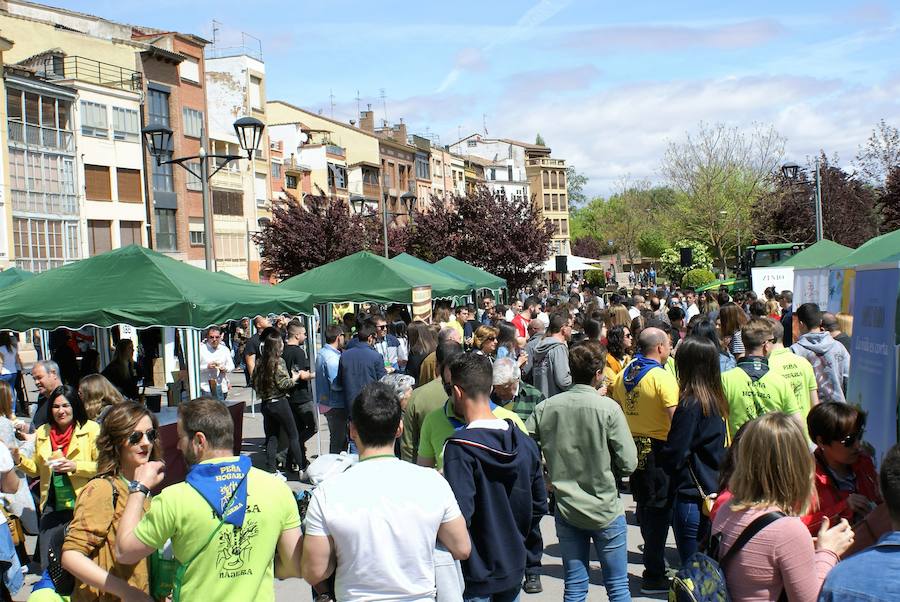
(670, 261)
(880, 154)
(539, 140)
(652, 243)
(575, 183)
(719, 173)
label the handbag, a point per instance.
(182, 569)
(707, 500)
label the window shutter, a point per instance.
(96, 182)
(129, 182)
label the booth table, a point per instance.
(176, 466)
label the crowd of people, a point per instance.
(468, 431)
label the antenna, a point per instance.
(215, 31)
(357, 102)
(331, 98)
(383, 103)
(484, 123)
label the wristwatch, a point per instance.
(138, 487)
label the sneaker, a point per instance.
(659, 585)
(533, 584)
(278, 474)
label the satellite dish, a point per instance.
(303, 137)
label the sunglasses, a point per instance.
(850, 440)
(382, 327)
(491, 339)
(137, 436)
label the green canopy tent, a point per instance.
(461, 269)
(13, 276)
(407, 259)
(821, 254)
(142, 288)
(365, 277)
(881, 249)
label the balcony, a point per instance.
(561, 163)
(335, 151)
(44, 203)
(291, 164)
(227, 179)
(91, 71)
(21, 134)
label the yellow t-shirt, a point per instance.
(238, 562)
(437, 428)
(798, 372)
(645, 405)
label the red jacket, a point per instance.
(521, 325)
(832, 502)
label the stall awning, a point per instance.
(820, 255)
(410, 260)
(363, 277)
(884, 248)
(13, 276)
(137, 286)
(461, 269)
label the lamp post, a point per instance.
(790, 171)
(359, 206)
(158, 139)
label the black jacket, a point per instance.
(497, 478)
(694, 441)
(787, 321)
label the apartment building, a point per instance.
(6, 250)
(505, 172)
(457, 174)
(423, 172)
(547, 181)
(442, 183)
(398, 163)
(235, 87)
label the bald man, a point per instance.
(648, 394)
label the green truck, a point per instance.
(755, 256)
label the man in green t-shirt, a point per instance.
(752, 388)
(795, 369)
(228, 522)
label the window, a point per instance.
(509, 172)
(193, 182)
(162, 177)
(93, 120)
(423, 171)
(276, 171)
(193, 122)
(337, 176)
(255, 92)
(129, 233)
(129, 185)
(14, 105)
(196, 232)
(472, 143)
(563, 206)
(493, 174)
(126, 125)
(228, 202)
(159, 107)
(189, 69)
(545, 179)
(99, 236)
(166, 230)
(546, 202)
(231, 246)
(97, 183)
(259, 189)
(290, 181)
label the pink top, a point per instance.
(781, 556)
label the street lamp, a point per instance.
(158, 139)
(790, 171)
(363, 207)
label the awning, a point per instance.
(461, 269)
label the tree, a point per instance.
(719, 173)
(504, 236)
(880, 154)
(626, 216)
(849, 216)
(575, 183)
(889, 202)
(670, 262)
(590, 247)
(539, 140)
(304, 235)
(652, 243)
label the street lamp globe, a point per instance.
(158, 139)
(408, 200)
(249, 133)
(790, 170)
(357, 204)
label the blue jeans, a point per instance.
(689, 525)
(612, 549)
(507, 596)
(654, 530)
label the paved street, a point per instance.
(296, 590)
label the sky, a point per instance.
(608, 85)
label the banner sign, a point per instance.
(811, 286)
(781, 278)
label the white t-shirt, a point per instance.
(692, 311)
(633, 312)
(383, 515)
(222, 356)
(6, 465)
(9, 360)
(497, 424)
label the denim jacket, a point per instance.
(868, 576)
(328, 387)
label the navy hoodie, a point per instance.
(497, 478)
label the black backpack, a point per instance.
(701, 578)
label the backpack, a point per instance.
(701, 578)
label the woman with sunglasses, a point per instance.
(618, 346)
(846, 482)
(484, 341)
(128, 438)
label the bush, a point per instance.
(697, 277)
(596, 278)
(671, 259)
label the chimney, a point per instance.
(367, 119)
(400, 132)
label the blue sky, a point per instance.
(607, 84)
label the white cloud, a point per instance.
(624, 131)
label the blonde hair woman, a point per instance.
(485, 340)
(773, 480)
(845, 323)
(98, 395)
